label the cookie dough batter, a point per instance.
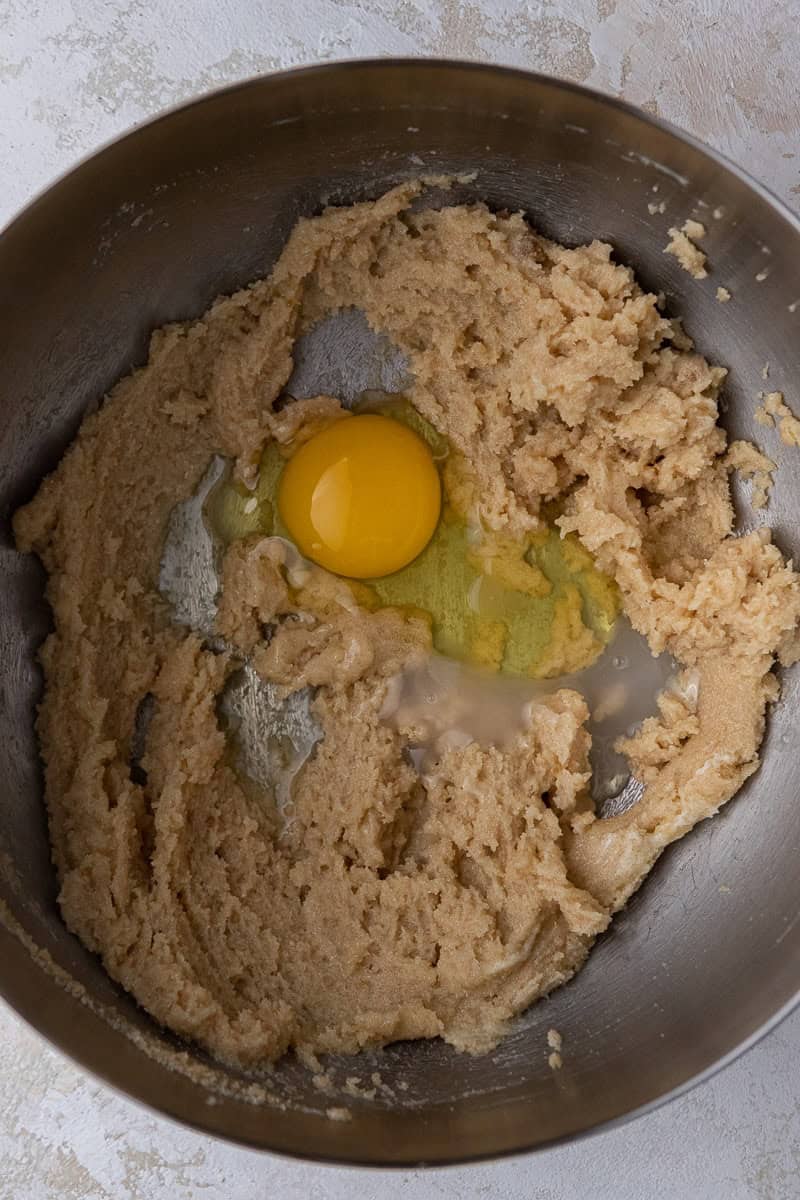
(391, 905)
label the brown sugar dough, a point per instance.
(391, 904)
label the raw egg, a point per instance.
(362, 497)
(532, 605)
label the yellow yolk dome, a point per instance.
(362, 497)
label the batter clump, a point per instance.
(394, 903)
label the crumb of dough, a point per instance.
(337, 1113)
(654, 207)
(693, 229)
(723, 295)
(789, 428)
(690, 257)
(765, 371)
(309, 1059)
(776, 410)
(323, 1083)
(354, 1087)
(555, 1043)
(761, 276)
(754, 466)
(773, 410)
(718, 213)
(391, 906)
(792, 308)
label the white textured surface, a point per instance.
(75, 74)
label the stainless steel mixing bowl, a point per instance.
(198, 202)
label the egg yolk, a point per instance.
(362, 497)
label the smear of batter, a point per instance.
(393, 904)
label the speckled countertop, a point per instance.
(75, 74)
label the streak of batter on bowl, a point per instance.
(405, 897)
